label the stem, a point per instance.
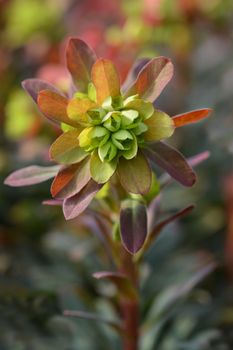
(130, 316)
(130, 309)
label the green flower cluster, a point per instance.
(116, 128)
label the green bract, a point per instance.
(115, 128)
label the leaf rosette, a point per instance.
(107, 129)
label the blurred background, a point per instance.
(45, 262)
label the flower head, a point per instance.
(109, 129)
(105, 124)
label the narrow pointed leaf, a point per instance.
(74, 206)
(66, 150)
(133, 225)
(106, 80)
(52, 202)
(31, 175)
(198, 158)
(192, 161)
(133, 73)
(160, 126)
(101, 172)
(191, 117)
(71, 180)
(171, 161)
(124, 285)
(93, 317)
(152, 79)
(159, 226)
(80, 59)
(135, 174)
(34, 86)
(54, 107)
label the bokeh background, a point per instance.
(45, 262)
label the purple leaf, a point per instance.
(198, 158)
(34, 86)
(52, 202)
(194, 161)
(133, 225)
(124, 285)
(80, 59)
(31, 175)
(159, 226)
(172, 161)
(74, 206)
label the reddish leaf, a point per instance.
(106, 80)
(31, 175)
(172, 161)
(135, 174)
(74, 206)
(133, 73)
(71, 180)
(191, 117)
(80, 59)
(152, 79)
(54, 107)
(133, 225)
(34, 86)
(124, 285)
(63, 178)
(159, 226)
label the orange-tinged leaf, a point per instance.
(66, 150)
(71, 180)
(80, 58)
(54, 107)
(34, 86)
(133, 73)
(152, 79)
(105, 79)
(191, 117)
(63, 178)
(77, 110)
(135, 174)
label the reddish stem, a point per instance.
(130, 316)
(130, 309)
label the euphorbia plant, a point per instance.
(111, 141)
